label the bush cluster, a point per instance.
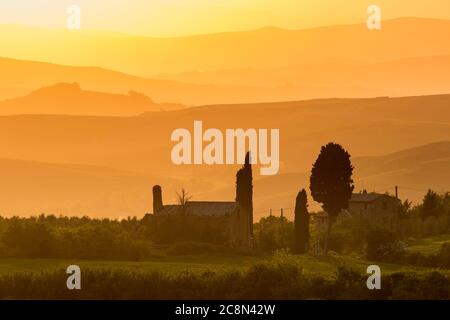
(83, 238)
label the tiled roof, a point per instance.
(201, 208)
(367, 197)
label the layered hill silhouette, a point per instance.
(65, 98)
(339, 78)
(31, 188)
(104, 192)
(23, 77)
(263, 48)
(368, 128)
(407, 57)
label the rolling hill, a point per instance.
(263, 48)
(373, 130)
(22, 77)
(31, 188)
(407, 57)
(338, 78)
(413, 170)
(365, 126)
(70, 99)
(28, 187)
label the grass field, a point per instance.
(169, 264)
(217, 262)
(429, 245)
(326, 266)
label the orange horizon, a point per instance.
(181, 18)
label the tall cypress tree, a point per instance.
(301, 222)
(244, 190)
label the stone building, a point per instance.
(220, 222)
(375, 208)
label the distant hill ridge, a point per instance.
(66, 98)
(74, 189)
(399, 38)
(268, 64)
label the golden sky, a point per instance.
(184, 17)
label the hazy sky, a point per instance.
(181, 17)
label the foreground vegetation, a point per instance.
(198, 258)
(201, 271)
(199, 263)
(127, 259)
(283, 276)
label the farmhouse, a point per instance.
(222, 222)
(373, 207)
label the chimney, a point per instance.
(157, 199)
(396, 192)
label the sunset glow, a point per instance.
(186, 17)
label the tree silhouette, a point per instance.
(331, 182)
(244, 190)
(301, 223)
(404, 209)
(183, 198)
(431, 204)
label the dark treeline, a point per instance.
(388, 242)
(173, 229)
(273, 233)
(134, 239)
(376, 242)
(64, 237)
(105, 239)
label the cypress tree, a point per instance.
(244, 190)
(301, 222)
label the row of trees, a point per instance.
(350, 235)
(331, 185)
(84, 238)
(435, 205)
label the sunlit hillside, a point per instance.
(377, 128)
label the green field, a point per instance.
(326, 266)
(169, 264)
(429, 245)
(217, 262)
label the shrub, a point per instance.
(77, 238)
(383, 246)
(337, 242)
(444, 255)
